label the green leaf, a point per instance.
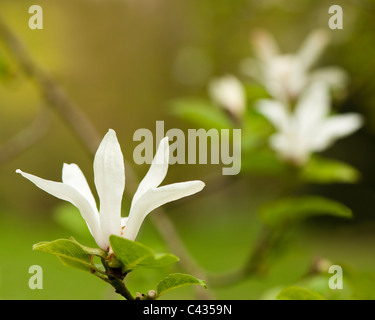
(262, 162)
(201, 113)
(133, 255)
(256, 130)
(322, 170)
(91, 251)
(298, 293)
(69, 252)
(254, 92)
(292, 210)
(177, 280)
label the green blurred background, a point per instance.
(122, 62)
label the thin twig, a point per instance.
(25, 138)
(115, 277)
(54, 94)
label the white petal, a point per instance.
(70, 194)
(265, 46)
(109, 173)
(124, 221)
(334, 77)
(228, 93)
(313, 47)
(157, 172)
(275, 112)
(154, 199)
(290, 147)
(313, 106)
(336, 127)
(73, 176)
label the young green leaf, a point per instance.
(255, 92)
(262, 162)
(91, 251)
(298, 293)
(322, 170)
(201, 113)
(133, 255)
(177, 280)
(69, 252)
(292, 210)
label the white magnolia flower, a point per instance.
(109, 173)
(309, 128)
(286, 75)
(229, 93)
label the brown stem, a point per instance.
(25, 138)
(54, 94)
(115, 277)
(120, 288)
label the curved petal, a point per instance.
(334, 77)
(265, 46)
(276, 112)
(124, 221)
(313, 106)
(228, 93)
(155, 198)
(336, 127)
(70, 194)
(109, 174)
(289, 147)
(157, 172)
(73, 176)
(313, 47)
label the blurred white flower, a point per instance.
(309, 128)
(286, 75)
(109, 176)
(229, 93)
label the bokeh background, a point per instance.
(123, 62)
